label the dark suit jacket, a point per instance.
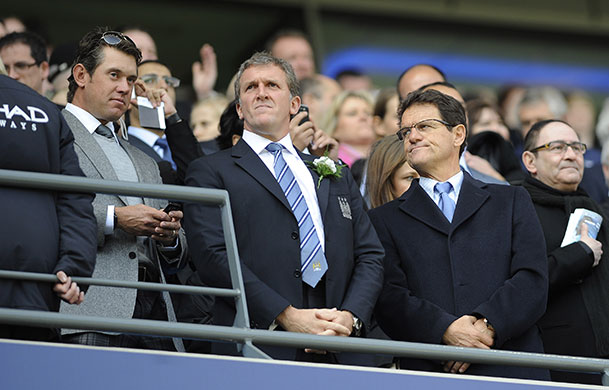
(268, 242)
(44, 231)
(489, 261)
(184, 149)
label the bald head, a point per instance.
(417, 76)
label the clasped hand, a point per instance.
(467, 331)
(323, 322)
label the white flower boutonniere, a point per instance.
(325, 167)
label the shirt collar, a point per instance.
(90, 122)
(148, 137)
(258, 143)
(428, 184)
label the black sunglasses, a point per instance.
(113, 38)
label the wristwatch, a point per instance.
(357, 326)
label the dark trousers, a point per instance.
(149, 305)
(31, 333)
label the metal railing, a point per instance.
(240, 332)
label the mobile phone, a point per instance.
(305, 108)
(172, 206)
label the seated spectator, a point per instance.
(489, 138)
(354, 80)
(25, 58)
(205, 121)
(143, 40)
(581, 115)
(576, 321)
(389, 175)
(385, 119)
(317, 93)
(294, 47)
(174, 147)
(417, 76)
(230, 126)
(350, 122)
(484, 116)
(59, 71)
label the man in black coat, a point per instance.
(464, 260)
(576, 321)
(47, 232)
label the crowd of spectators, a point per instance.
(480, 264)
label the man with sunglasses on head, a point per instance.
(134, 234)
(176, 146)
(25, 57)
(576, 321)
(464, 260)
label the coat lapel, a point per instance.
(250, 162)
(416, 203)
(471, 198)
(91, 149)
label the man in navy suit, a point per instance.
(465, 260)
(336, 293)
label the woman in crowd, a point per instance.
(489, 138)
(385, 119)
(350, 122)
(389, 175)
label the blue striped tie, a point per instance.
(313, 263)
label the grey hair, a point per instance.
(551, 96)
(264, 58)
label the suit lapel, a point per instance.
(91, 149)
(417, 204)
(471, 197)
(249, 161)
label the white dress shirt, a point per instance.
(91, 123)
(428, 186)
(299, 169)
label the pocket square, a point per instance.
(343, 203)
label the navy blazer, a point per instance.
(268, 243)
(490, 261)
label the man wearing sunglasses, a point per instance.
(134, 234)
(25, 57)
(464, 260)
(576, 321)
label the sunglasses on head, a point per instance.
(113, 38)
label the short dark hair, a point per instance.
(311, 85)
(530, 140)
(450, 109)
(285, 33)
(264, 58)
(415, 66)
(230, 124)
(441, 83)
(154, 62)
(37, 45)
(380, 106)
(90, 54)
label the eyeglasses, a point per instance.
(113, 38)
(424, 126)
(560, 147)
(20, 67)
(152, 78)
